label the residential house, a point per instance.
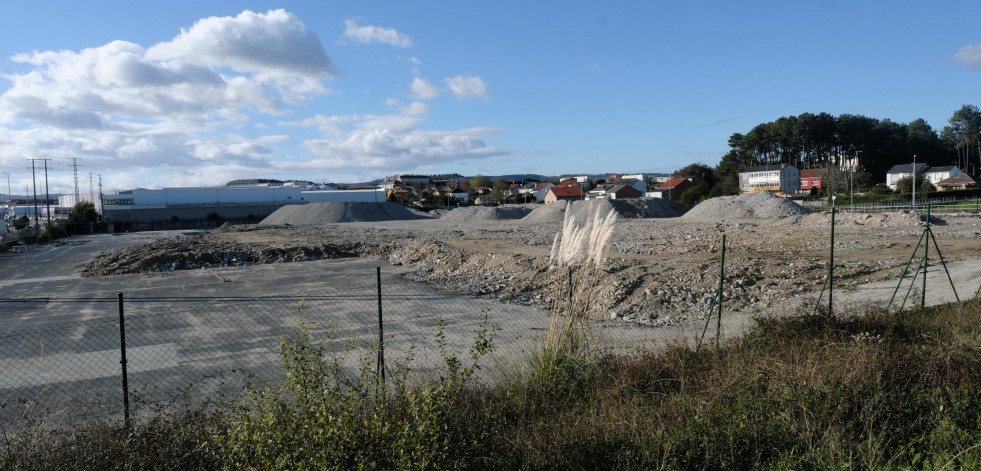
(539, 191)
(935, 174)
(583, 181)
(614, 191)
(898, 172)
(564, 193)
(811, 179)
(460, 195)
(673, 188)
(958, 181)
(779, 178)
(624, 191)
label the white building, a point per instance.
(935, 174)
(344, 196)
(780, 178)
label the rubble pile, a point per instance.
(330, 213)
(762, 205)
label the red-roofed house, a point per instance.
(811, 179)
(675, 187)
(564, 193)
(539, 191)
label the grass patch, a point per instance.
(873, 390)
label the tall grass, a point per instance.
(578, 253)
(873, 390)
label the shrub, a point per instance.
(322, 417)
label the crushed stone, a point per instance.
(761, 205)
(488, 213)
(330, 213)
(631, 208)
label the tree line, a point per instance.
(836, 142)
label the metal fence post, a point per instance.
(831, 267)
(381, 328)
(926, 259)
(122, 360)
(722, 276)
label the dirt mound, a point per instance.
(330, 213)
(749, 206)
(631, 208)
(488, 213)
(889, 219)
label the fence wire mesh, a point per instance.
(194, 351)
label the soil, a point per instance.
(659, 270)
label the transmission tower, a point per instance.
(75, 166)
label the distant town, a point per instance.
(251, 200)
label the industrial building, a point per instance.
(178, 208)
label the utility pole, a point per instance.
(99, 209)
(74, 167)
(47, 193)
(34, 181)
(91, 191)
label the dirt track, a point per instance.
(658, 270)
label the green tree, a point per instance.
(84, 212)
(500, 190)
(697, 170)
(905, 184)
(480, 181)
(863, 181)
(881, 189)
(964, 136)
(693, 196)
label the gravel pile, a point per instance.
(761, 205)
(889, 219)
(632, 208)
(330, 213)
(488, 213)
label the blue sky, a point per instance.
(182, 93)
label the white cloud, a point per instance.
(467, 87)
(424, 90)
(173, 83)
(969, 56)
(417, 108)
(370, 34)
(387, 150)
(182, 112)
(274, 47)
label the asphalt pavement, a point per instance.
(194, 336)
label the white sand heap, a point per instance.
(330, 213)
(631, 208)
(488, 213)
(761, 205)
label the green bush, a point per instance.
(322, 417)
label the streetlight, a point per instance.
(851, 183)
(912, 184)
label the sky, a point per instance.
(192, 93)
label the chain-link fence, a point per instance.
(193, 351)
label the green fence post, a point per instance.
(831, 267)
(722, 276)
(122, 360)
(926, 259)
(381, 328)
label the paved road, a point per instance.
(196, 335)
